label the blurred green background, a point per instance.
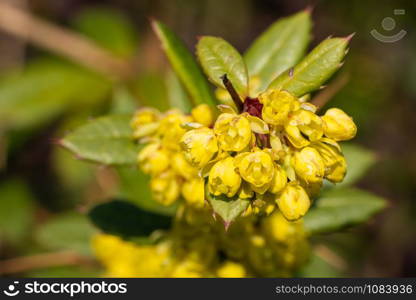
(44, 94)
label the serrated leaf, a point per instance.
(219, 58)
(227, 208)
(135, 188)
(278, 48)
(70, 231)
(342, 207)
(126, 220)
(107, 140)
(184, 64)
(309, 74)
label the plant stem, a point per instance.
(233, 93)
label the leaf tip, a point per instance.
(227, 225)
(349, 37)
(309, 9)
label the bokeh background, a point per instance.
(54, 76)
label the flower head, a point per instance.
(223, 179)
(338, 125)
(309, 165)
(233, 132)
(199, 146)
(153, 159)
(203, 114)
(165, 187)
(293, 202)
(277, 105)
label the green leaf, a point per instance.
(309, 74)
(342, 207)
(219, 58)
(359, 160)
(135, 188)
(317, 267)
(16, 210)
(123, 101)
(107, 140)
(278, 48)
(46, 89)
(66, 272)
(176, 94)
(126, 220)
(109, 28)
(227, 208)
(70, 231)
(184, 65)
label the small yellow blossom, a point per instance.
(335, 164)
(223, 179)
(277, 105)
(199, 146)
(145, 122)
(309, 165)
(233, 132)
(257, 168)
(338, 125)
(181, 166)
(165, 188)
(279, 180)
(193, 192)
(231, 269)
(279, 229)
(171, 130)
(203, 114)
(293, 202)
(152, 159)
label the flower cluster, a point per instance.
(276, 151)
(161, 156)
(196, 246)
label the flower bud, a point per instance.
(257, 168)
(223, 179)
(293, 202)
(308, 123)
(278, 229)
(199, 146)
(181, 166)
(152, 159)
(171, 130)
(277, 105)
(165, 188)
(233, 132)
(193, 192)
(309, 165)
(145, 122)
(279, 180)
(338, 125)
(337, 171)
(335, 164)
(203, 114)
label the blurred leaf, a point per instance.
(107, 140)
(126, 220)
(109, 28)
(16, 210)
(359, 160)
(135, 188)
(46, 89)
(176, 94)
(184, 65)
(317, 267)
(278, 48)
(65, 272)
(309, 74)
(219, 58)
(70, 231)
(150, 90)
(342, 207)
(227, 208)
(123, 101)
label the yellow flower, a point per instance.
(293, 202)
(233, 132)
(181, 166)
(171, 130)
(199, 146)
(152, 159)
(279, 180)
(309, 165)
(257, 168)
(277, 105)
(165, 188)
(302, 124)
(231, 269)
(338, 125)
(145, 122)
(193, 192)
(278, 229)
(223, 179)
(203, 114)
(335, 164)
